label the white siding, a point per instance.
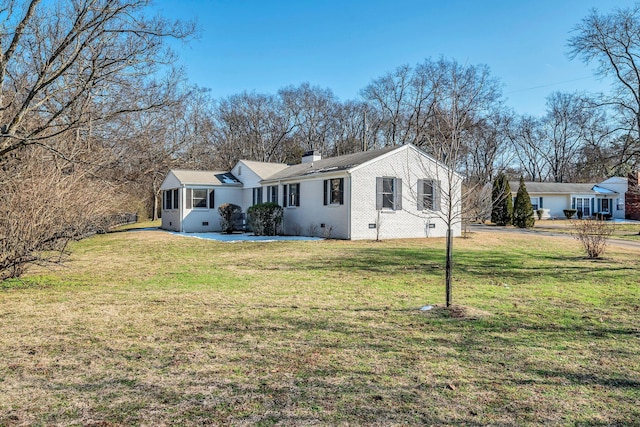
(308, 218)
(619, 185)
(250, 180)
(193, 219)
(556, 203)
(170, 181)
(409, 166)
(171, 218)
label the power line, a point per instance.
(549, 85)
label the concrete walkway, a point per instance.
(484, 228)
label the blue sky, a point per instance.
(262, 46)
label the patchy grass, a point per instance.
(624, 231)
(148, 328)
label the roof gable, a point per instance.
(615, 180)
(263, 169)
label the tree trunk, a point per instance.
(449, 265)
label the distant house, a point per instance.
(395, 192)
(553, 198)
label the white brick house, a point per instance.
(396, 192)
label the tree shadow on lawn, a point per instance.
(520, 267)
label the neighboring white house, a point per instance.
(605, 197)
(395, 192)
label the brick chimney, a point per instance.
(632, 197)
(311, 156)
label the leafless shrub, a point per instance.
(296, 229)
(328, 230)
(42, 208)
(593, 235)
(312, 230)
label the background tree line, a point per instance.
(93, 115)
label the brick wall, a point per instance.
(632, 197)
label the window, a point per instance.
(293, 195)
(619, 204)
(257, 196)
(272, 194)
(388, 193)
(582, 204)
(428, 195)
(199, 198)
(334, 191)
(534, 203)
(167, 199)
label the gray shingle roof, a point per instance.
(331, 164)
(554, 187)
(192, 177)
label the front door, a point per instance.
(605, 206)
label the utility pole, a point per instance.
(364, 132)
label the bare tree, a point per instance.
(612, 43)
(528, 139)
(69, 71)
(389, 94)
(61, 58)
(464, 97)
(254, 127)
(314, 112)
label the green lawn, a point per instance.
(148, 328)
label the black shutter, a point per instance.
(211, 199)
(342, 191)
(326, 189)
(176, 199)
(284, 196)
(398, 198)
(298, 193)
(378, 193)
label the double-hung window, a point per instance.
(388, 193)
(272, 194)
(333, 191)
(291, 195)
(168, 203)
(428, 195)
(200, 198)
(257, 196)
